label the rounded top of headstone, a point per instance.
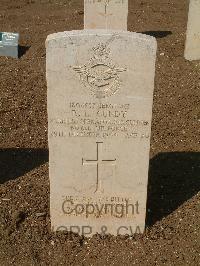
(66, 34)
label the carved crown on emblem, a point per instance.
(100, 75)
(101, 51)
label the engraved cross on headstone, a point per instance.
(98, 162)
(106, 14)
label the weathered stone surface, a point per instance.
(106, 14)
(192, 46)
(100, 94)
(9, 44)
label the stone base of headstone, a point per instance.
(10, 51)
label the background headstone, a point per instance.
(9, 44)
(192, 47)
(100, 94)
(106, 14)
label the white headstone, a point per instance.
(192, 47)
(106, 14)
(100, 94)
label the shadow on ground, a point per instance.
(16, 162)
(173, 179)
(157, 34)
(22, 50)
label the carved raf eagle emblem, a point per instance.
(100, 75)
